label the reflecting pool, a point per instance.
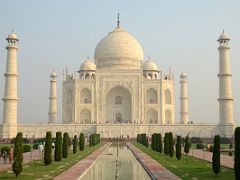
(117, 163)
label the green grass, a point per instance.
(37, 169)
(194, 169)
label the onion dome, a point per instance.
(12, 36)
(150, 66)
(183, 75)
(118, 50)
(53, 74)
(88, 65)
(224, 37)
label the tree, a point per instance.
(166, 144)
(58, 147)
(48, 149)
(81, 142)
(146, 143)
(90, 140)
(65, 145)
(138, 137)
(178, 148)
(216, 155)
(237, 153)
(154, 142)
(75, 144)
(160, 143)
(171, 144)
(17, 165)
(187, 146)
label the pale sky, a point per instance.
(181, 34)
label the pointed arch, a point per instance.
(168, 116)
(168, 96)
(85, 116)
(85, 96)
(152, 116)
(151, 96)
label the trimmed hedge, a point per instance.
(5, 148)
(81, 142)
(178, 148)
(65, 145)
(75, 144)
(26, 148)
(216, 155)
(35, 145)
(58, 147)
(166, 144)
(199, 146)
(48, 149)
(171, 144)
(17, 165)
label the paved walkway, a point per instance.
(27, 158)
(227, 161)
(156, 170)
(78, 170)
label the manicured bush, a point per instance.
(195, 140)
(26, 148)
(178, 148)
(5, 148)
(159, 140)
(81, 142)
(166, 144)
(216, 155)
(138, 138)
(40, 140)
(237, 153)
(90, 140)
(199, 146)
(154, 142)
(187, 146)
(58, 147)
(146, 143)
(48, 149)
(35, 145)
(17, 165)
(75, 144)
(171, 145)
(65, 145)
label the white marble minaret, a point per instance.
(53, 99)
(225, 86)
(184, 115)
(10, 96)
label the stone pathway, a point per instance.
(79, 170)
(27, 158)
(227, 161)
(156, 170)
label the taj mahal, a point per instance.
(118, 93)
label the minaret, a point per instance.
(53, 99)
(225, 86)
(184, 115)
(10, 96)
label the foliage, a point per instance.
(40, 140)
(237, 153)
(25, 141)
(166, 144)
(171, 144)
(154, 142)
(65, 145)
(81, 142)
(17, 165)
(138, 138)
(26, 148)
(5, 148)
(199, 146)
(178, 148)
(48, 149)
(90, 140)
(187, 146)
(196, 140)
(216, 155)
(225, 141)
(35, 145)
(58, 147)
(159, 145)
(75, 144)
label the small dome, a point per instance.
(150, 66)
(12, 36)
(119, 50)
(183, 75)
(223, 36)
(88, 65)
(53, 74)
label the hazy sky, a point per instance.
(181, 34)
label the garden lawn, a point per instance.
(193, 170)
(37, 169)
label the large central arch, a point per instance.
(118, 107)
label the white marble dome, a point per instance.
(223, 36)
(88, 65)
(119, 50)
(12, 36)
(150, 66)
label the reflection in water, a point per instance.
(128, 167)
